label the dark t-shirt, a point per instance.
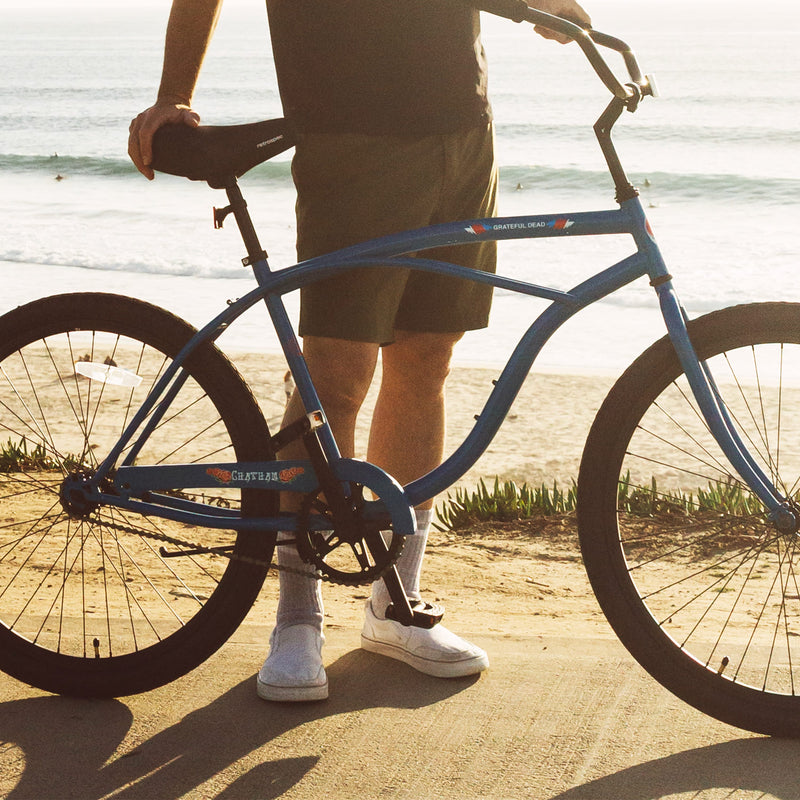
(404, 67)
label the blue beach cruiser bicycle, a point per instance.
(140, 512)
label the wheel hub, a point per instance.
(787, 518)
(75, 495)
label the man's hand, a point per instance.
(568, 9)
(189, 30)
(143, 128)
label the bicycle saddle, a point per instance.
(218, 153)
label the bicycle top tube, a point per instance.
(389, 250)
(392, 250)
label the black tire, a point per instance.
(705, 595)
(89, 606)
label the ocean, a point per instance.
(717, 158)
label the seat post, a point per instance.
(238, 207)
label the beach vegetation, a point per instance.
(504, 502)
(508, 501)
(20, 457)
(728, 497)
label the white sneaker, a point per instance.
(293, 671)
(434, 651)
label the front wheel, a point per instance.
(695, 580)
(103, 601)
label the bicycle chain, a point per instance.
(164, 537)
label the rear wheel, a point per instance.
(89, 603)
(696, 581)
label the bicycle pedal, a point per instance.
(425, 615)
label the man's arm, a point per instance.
(189, 31)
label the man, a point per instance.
(389, 101)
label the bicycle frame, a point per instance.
(134, 483)
(102, 596)
(629, 218)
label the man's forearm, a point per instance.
(191, 25)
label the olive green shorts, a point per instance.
(354, 187)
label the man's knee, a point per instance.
(341, 370)
(423, 358)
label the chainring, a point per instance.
(343, 558)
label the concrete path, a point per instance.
(555, 717)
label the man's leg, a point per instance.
(407, 440)
(407, 433)
(342, 372)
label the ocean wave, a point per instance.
(677, 133)
(110, 264)
(657, 186)
(67, 165)
(108, 167)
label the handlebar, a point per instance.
(520, 11)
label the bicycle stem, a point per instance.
(625, 190)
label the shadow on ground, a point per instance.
(71, 747)
(768, 768)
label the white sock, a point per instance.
(300, 598)
(409, 565)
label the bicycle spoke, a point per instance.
(720, 582)
(103, 573)
(96, 599)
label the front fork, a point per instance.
(700, 379)
(716, 414)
